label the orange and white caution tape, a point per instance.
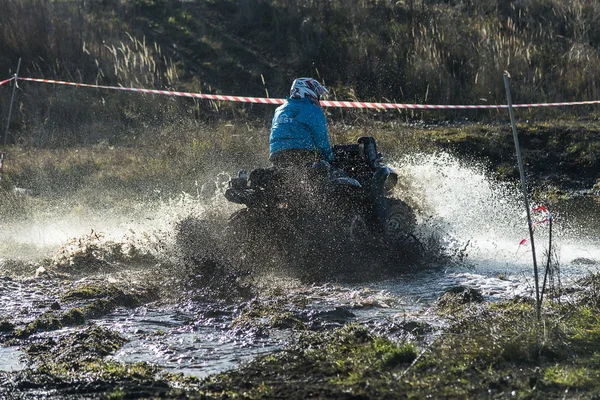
(324, 103)
(355, 104)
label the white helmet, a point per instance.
(307, 88)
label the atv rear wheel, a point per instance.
(401, 220)
(242, 232)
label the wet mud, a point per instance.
(323, 341)
(103, 318)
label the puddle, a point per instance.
(175, 342)
(464, 204)
(10, 359)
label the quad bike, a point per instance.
(324, 215)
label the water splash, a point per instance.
(462, 201)
(457, 201)
(49, 224)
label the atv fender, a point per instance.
(378, 190)
(391, 181)
(379, 180)
(240, 196)
(345, 181)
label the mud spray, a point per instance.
(175, 244)
(457, 202)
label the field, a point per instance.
(116, 278)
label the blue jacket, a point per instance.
(300, 124)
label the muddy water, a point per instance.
(471, 214)
(11, 359)
(200, 348)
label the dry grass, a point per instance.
(410, 51)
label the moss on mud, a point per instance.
(6, 326)
(75, 364)
(92, 291)
(89, 343)
(453, 299)
(100, 298)
(486, 350)
(497, 350)
(268, 313)
(349, 361)
(84, 301)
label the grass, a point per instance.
(147, 168)
(488, 349)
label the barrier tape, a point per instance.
(6, 81)
(325, 103)
(165, 92)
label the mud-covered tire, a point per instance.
(401, 219)
(400, 238)
(256, 239)
(240, 234)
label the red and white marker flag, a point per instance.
(544, 216)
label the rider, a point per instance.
(299, 130)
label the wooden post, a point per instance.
(12, 100)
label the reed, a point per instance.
(413, 51)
